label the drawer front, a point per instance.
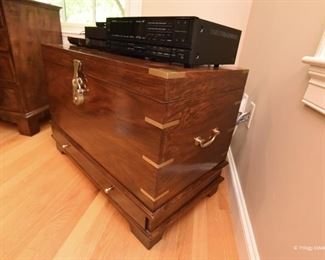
(106, 183)
(4, 43)
(7, 72)
(8, 100)
(177, 202)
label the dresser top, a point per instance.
(161, 82)
(162, 70)
(35, 3)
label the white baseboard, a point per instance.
(240, 210)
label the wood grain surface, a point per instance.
(50, 210)
(24, 26)
(121, 96)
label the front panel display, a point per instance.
(187, 40)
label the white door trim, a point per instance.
(245, 222)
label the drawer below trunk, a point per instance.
(130, 206)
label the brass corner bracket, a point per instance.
(160, 125)
(152, 198)
(156, 165)
(166, 74)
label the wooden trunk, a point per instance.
(136, 132)
(24, 25)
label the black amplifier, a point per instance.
(187, 40)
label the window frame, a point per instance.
(132, 8)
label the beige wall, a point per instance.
(231, 13)
(281, 158)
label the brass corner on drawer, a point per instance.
(152, 198)
(166, 74)
(156, 165)
(160, 125)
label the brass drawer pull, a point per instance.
(78, 84)
(107, 190)
(202, 143)
(65, 146)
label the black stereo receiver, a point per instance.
(187, 40)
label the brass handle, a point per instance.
(65, 146)
(78, 84)
(107, 190)
(202, 143)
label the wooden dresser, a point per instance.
(152, 136)
(24, 26)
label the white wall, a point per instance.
(230, 13)
(281, 158)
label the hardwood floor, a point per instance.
(50, 210)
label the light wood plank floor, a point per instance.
(50, 210)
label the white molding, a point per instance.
(314, 61)
(315, 94)
(314, 106)
(246, 225)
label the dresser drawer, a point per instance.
(4, 43)
(7, 72)
(106, 183)
(8, 100)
